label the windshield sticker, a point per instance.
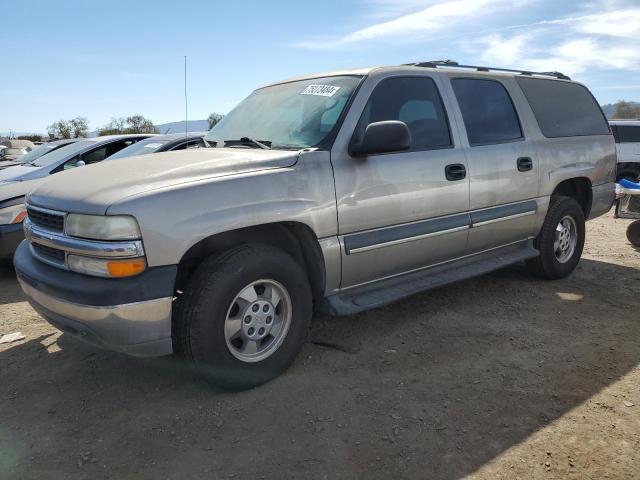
(153, 145)
(320, 90)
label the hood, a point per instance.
(19, 173)
(93, 188)
(8, 163)
(10, 190)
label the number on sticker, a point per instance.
(320, 90)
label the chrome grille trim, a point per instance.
(33, 211)
(79, 246)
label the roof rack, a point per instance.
(451, 63)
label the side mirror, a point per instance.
(80, 163)
(383, 137)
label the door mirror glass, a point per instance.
(383, 137)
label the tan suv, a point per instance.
(340, 192)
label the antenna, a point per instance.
(186, 111)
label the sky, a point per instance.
(111, 59)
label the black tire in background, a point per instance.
(547, 264)
(203, 308)
(633, 233)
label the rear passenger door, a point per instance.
(503, 172)
(398, 211)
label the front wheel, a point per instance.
(244, 316)
(560, 241)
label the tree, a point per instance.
(132, 124)
(79, 127)
(214, 119)
(33, 138)
(75, 128)
(114, 127)
(625, 109)
(139, 124)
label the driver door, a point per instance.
(401, 211)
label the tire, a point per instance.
(213, 294)
(550, 264)
(633, 233)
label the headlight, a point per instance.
(100, 227)
(12, 214)
(106, 267)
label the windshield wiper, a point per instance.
(266, 145)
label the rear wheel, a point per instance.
(244, 316)
(560, 241)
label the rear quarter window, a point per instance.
(563, 109)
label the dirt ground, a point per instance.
(503, 376)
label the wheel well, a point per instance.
(578, 189)
(294, 238)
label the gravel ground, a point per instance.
(503, 376)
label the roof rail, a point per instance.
(451, 63)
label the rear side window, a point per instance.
(563, 109)
(414, 101)
(626, 133)
(488, 112)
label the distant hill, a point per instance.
(175, 127)
(178, 127)
(609, 109)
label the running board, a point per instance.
(380, 293)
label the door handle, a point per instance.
(455, 171)
(524, 164)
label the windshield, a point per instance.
(140, 148)
(61, 153)
(14, 151)
(37, 152)
(291, 115)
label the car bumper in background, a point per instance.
(602, 199)
(131, 316)
(10, 238)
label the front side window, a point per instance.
(142, 147)
(487, 110)
(292, 115)
(414, 101)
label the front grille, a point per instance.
(49, 253)
(50, 221)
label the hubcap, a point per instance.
(258, 320)
(566, 239)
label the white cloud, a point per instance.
(619, 23)
(573, 45)
(504, 51)
(438, 16)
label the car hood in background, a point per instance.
(19, 173)
(10, 190)
(92, 189)
(8, 163)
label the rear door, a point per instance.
(503, 171)
(400, 211)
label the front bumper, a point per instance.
(10, 238)
(131, 316)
